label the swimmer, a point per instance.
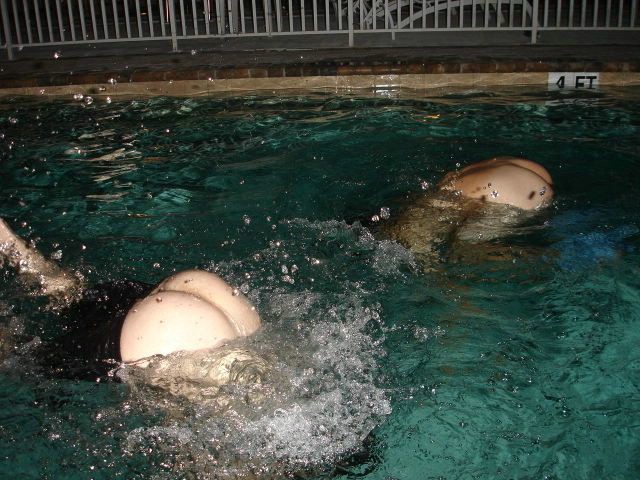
(480, 202)
(129, 321)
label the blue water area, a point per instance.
(517, 358)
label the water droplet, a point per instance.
(42, 91)
(244, 288)
(246, 219)
(156, 265)
(424, 185)
(158, 299)
(108, 100)
(543, 190)
(13, 120)
(457, 164)
(88, 100)
(194, 52)
(57, 55)
(495, 194)
(112, 81)
(78, 96)
(385, 213)
(235, 292)
(284, 269)
(375, 218)
(57, 255)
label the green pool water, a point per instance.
(520, 361)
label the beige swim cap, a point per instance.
(189, 311)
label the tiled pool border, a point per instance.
(331, 77)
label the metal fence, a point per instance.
(29, 23)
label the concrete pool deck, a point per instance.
(329, 69)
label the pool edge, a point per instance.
(328, 83)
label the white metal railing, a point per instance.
(29, 23)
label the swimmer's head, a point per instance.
(170, 321)
(511, 181)
(215, 290)
(188, 311)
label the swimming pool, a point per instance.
(519, 361)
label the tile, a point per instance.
(273, 72)
(386, 69)
(474, 67)
(433, 68)
(355, 70)
(413, 68)
(227, 73)
(258, 72)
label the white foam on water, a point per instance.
(319, 402)
(322, 395)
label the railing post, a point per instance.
(350, 20)
(267, 17)
(7, 29)
(534, 21)
(172, 22)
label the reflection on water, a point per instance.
(512, 358)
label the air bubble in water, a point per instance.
(543, 190)
(385, 213)
(57, 55)
(88, 100)
(424, 185)
(495, 194)
(13, 120)
(112, 81)
(78, 96)
(246, 219)
(57, 255)
(108, 100)
(194, 52)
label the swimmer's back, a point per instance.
(92, 330)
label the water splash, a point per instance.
(318, 403)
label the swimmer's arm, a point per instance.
(34, 267)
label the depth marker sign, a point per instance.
(573, 80)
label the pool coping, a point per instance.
(332, 70)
